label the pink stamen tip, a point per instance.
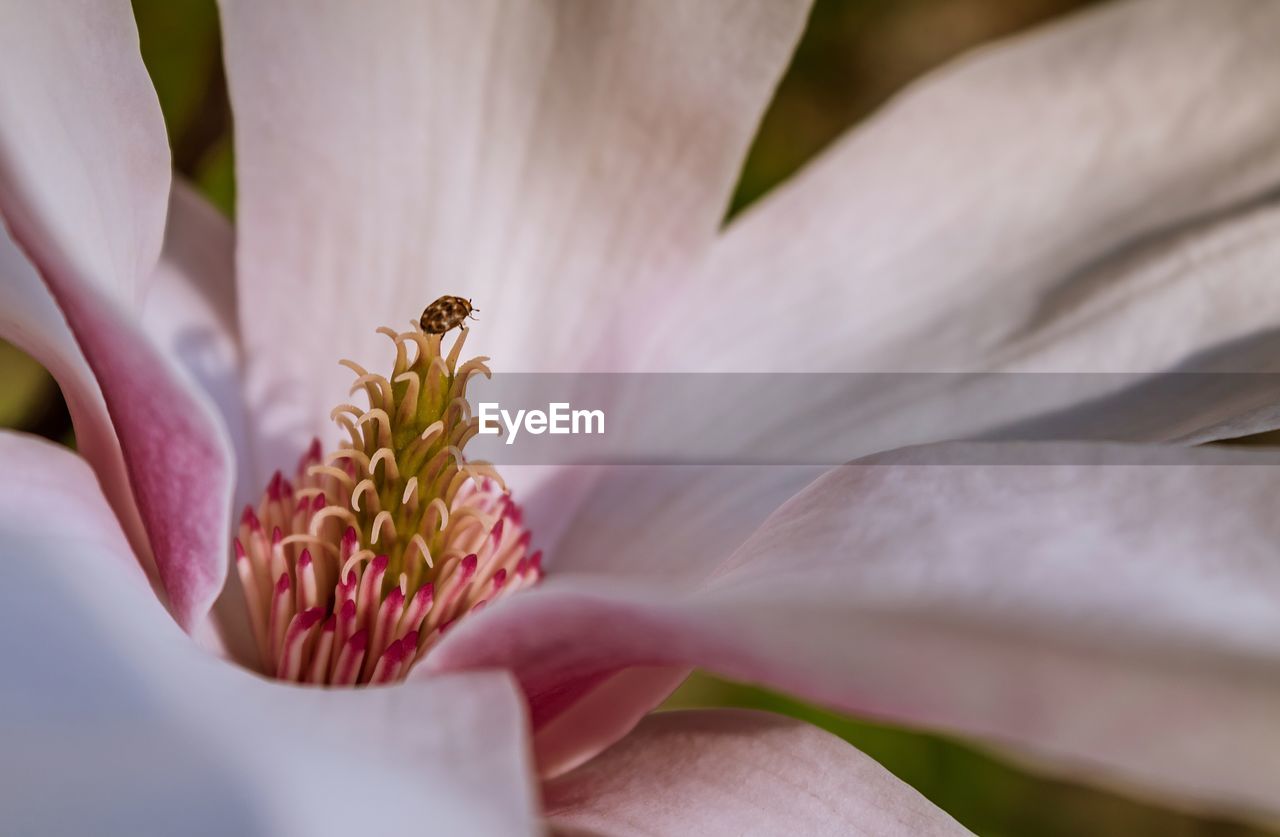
(522, 567)
(250, 518)
(535, 560)
(276, 536)
(286, 488)
(350, 539)
(349, 659)
(311, 456)
(273, 489)
(283, 585)
(304, 560)
(302, 505)
(318, 503)
(309, 618)
(499, 579)
(240, 553)
(409, 642)
(349, 609)
(524, 539)
(388, 664)
(425, 593)
(496, 533)
(469, 566)
(380, 563)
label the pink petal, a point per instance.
(190, 313)
(30, 319)
(113, 719)
(537, 157)
(1081, 198)
(735, 772)
(603, 711)
(680, 523)
(84, 182)
(1088, 610)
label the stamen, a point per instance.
(391, 472)
(348, 454)
(318, 670)
(383, 518)
(442, 510)
(348, 667)
(330, 471)
(366, 484)
(353, 588)
(308, 539)
(423, 549)
(318, 519)
(295, 642)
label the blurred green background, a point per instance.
(855, 54)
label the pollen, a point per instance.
(353, 569)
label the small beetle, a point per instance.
(446, 313)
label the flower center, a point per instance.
(356, 568)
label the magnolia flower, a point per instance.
(1090, 197)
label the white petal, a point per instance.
(542, 159)
(1108, 612)
(115, 723)
(740, 773)
(83, 154)
(1076, 199)
(957, 212)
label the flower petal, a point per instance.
(106, 703)
(190, 312)
(1110, 612)
(1196, 306)
(83, 155)
(680, 522)
(84, 182)
(737, 772)
(1075, 199)
(539, 158)
(604, 711)
(1176, 341)
(30, 319)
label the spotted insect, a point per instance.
(447, 312)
